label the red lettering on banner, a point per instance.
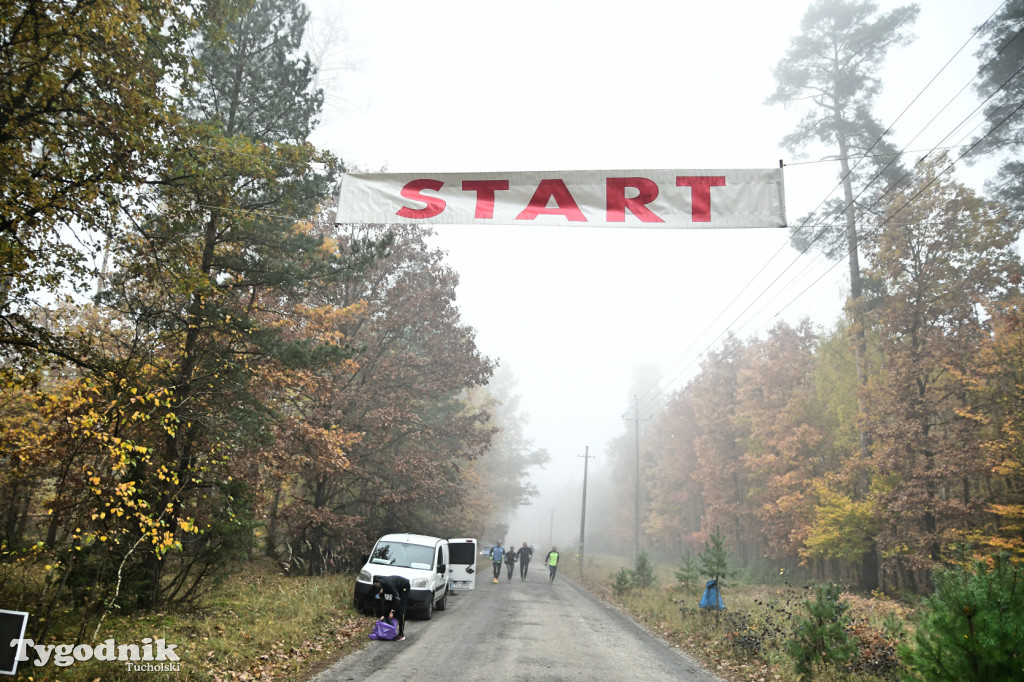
(546, 191)
(700, 194)
(484, 195)
(618, 202)
(413, 191)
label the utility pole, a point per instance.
(636, 492)
(636, 499)
(583, 514)
(551, 530)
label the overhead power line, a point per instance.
(657, 389)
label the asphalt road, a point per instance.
(532, 630)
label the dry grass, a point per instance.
(257, 624)
(748, 640)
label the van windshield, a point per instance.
(402, 554)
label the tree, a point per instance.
(714, 560)
(1001, 54)
(972, 627)
(206, 279)
(410, 393)
(687, 573)
(643, 572)
(677, 505)
(724, 481)
(995, 385)
(79, 133)
(821, 639)
(501, 474)
(842, 528)
(786, 447)
(940, 252)
(834, 65)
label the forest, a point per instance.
(890, 444)
(199, 368)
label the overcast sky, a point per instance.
(472, 86)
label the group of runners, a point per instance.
(391, 624)
(522, 555)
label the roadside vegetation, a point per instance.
(213, 398)
(971, 628)
(256, 624)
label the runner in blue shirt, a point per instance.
(497, 556)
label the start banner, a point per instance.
(639, 198)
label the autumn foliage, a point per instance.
(764, 441)
(199, 366)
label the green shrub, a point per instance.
(643, 572)
(714, 560)
(642, 576)
(622, 582)
(687, 573)
(821, 640)
(972, 627)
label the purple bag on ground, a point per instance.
(384, 629)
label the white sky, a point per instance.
(471, 86)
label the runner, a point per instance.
(525, 554)
(552, 562)
(510, 563)
(497, 556)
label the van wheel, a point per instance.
(442, 603)
(428, 611)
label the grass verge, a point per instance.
(258, 624)
(748, 640)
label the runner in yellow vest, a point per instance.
(552, 562)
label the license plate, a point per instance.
(461, 584)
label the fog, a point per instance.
(577, 314)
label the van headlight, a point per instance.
(419, 583)
(364, 577)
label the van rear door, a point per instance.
(462, 557)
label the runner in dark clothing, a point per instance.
(510, 563)
(525, 554)
(398, 587)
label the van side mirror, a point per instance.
(441, 568)
(366, 557)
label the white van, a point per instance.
(422, 559)
(462, 574)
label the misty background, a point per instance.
(591, 322)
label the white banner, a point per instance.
(646, 198)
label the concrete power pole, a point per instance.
(636, 491)
(583, 514)
(551, 530)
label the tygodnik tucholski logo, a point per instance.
(153, 655)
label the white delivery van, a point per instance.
(422, 559)
(463, 563)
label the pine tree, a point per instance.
(227, 245)
(999, 86)
(833, 64)
(643, 572)
(821, 639)
(714, 560)
(687, 573)
(972, 627)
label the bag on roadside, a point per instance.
(384, 629)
